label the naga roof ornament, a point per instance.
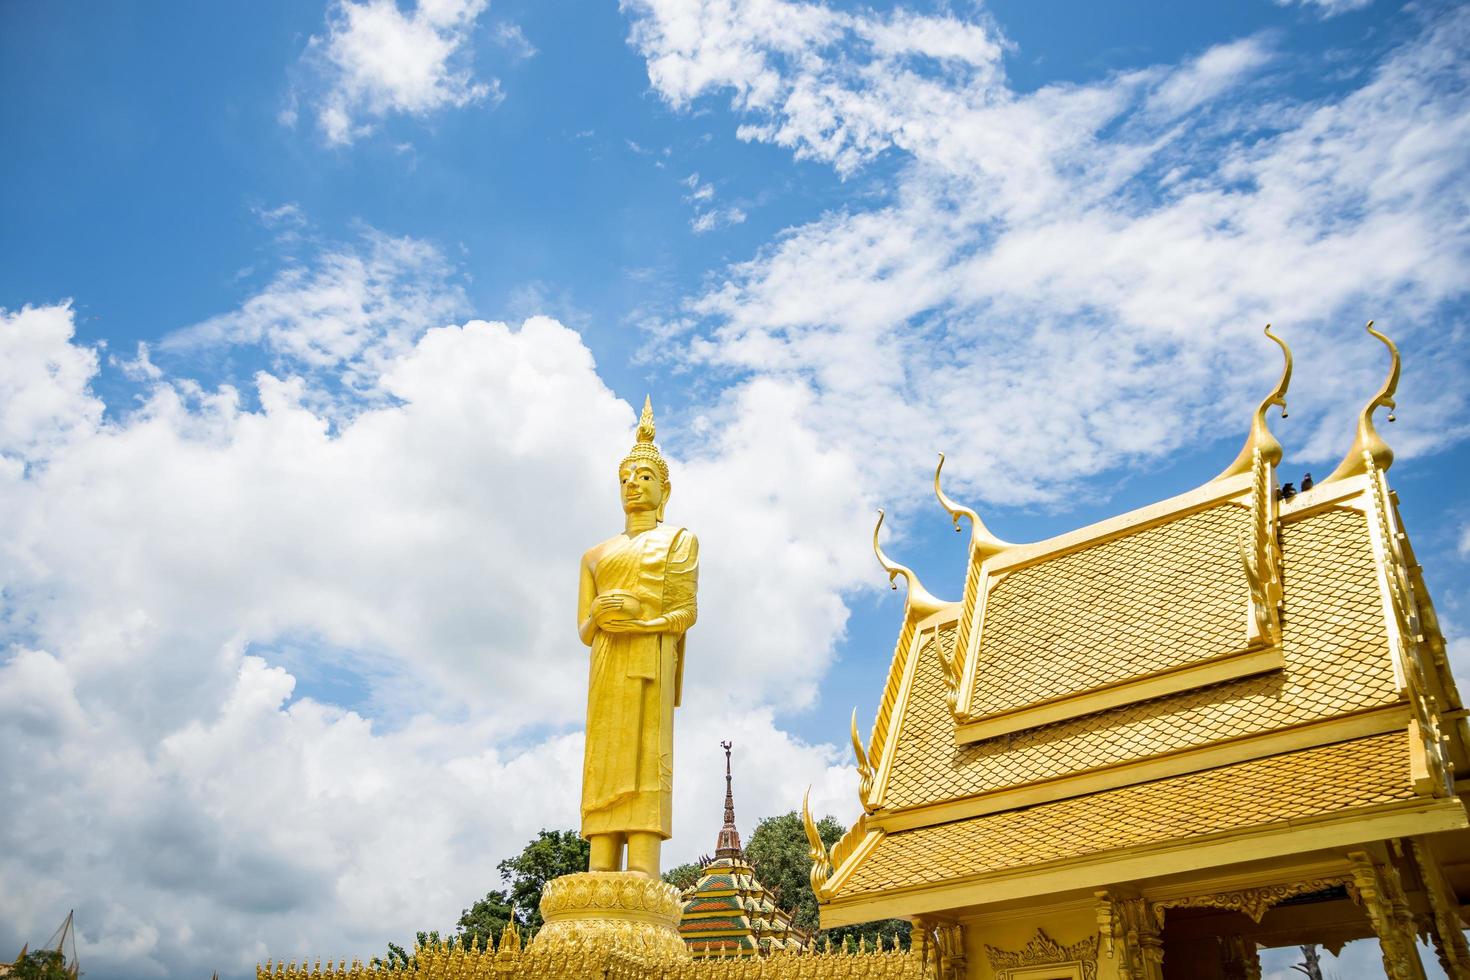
(981, 540)
(1260, 439)
(920, 602)
(1368, 440)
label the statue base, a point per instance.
(613, 910)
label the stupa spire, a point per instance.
(728, 846)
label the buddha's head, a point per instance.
(642, 488)
(643, 476)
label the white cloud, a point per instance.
(512, 38)
(346, 309)
(716, 218)
(1083, 271)
(1327, 8)
(43, 384)
(376, 59)
(830, 85)
(186, 587)
(1206, 77)
(708, 217)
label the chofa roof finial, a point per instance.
(919, 600)
(1368, 440)
(1260, 437)
(981, 539)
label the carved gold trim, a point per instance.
(1253, 902)
(1261, 556)
(1432, 769)
(1379, 890)
(1043, 950)
(1448, 932)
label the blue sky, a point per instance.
(324, 325)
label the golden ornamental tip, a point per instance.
(865, 769)
(1260, 438)
(981, 539)
(1368, 441)
(919, 602)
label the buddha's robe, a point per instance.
(628, 765)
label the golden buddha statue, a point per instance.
(636, 601)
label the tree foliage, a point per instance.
(683, 875)
(552, 854)
(483, 923)
(780, 857)
(41, 964)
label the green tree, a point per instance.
(42, 964)
(483, 923)
(682, 876)
(779, 855)
(552, 854)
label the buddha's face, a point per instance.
(642, 487)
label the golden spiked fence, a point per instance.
(587, 961)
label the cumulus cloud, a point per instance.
(270, 672)
(376, 59)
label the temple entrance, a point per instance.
(1222, 944)
(1226, 944)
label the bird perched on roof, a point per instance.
(1287, 491)
(1306, 482)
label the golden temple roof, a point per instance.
(1336, 652)
(1153, 600)
(1311, 783)
(1232, 657)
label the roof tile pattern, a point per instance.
(1160, 598)
(1334, 643)
(1313, 782)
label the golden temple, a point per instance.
(1146, 748)
(1141, 750)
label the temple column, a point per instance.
(942, 942)
(1446, 929)
(1242, 961)
(1378, 889)
(1130, 932)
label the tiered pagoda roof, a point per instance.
(727, 912)
(1239, 673)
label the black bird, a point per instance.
(1287, 491)
(1306, 482)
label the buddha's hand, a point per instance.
(612, 609)
(658, 625)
